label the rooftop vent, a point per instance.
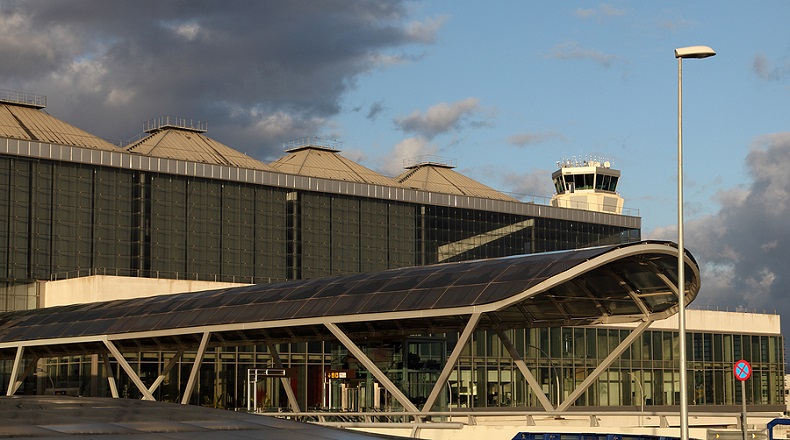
(22, 98)
(312, 142)
(429, 159)
(164, 122)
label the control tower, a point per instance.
(587, 183)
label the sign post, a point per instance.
(743, 371)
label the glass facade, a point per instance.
(646, 374)
(485, 376)
(63, 219)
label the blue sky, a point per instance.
(559, 79)
(504, 89)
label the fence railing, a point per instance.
(158, 274)
(33, 100)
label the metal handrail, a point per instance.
(29, 99)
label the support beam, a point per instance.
(522, 367)
(195, 369)
(165, 371)
(20, 351)
(371, 367)
(30, 368)
(110, 376)
(604, 365)
(463, 338)
(129, 370)
(286, 381)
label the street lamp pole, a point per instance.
(683, 52)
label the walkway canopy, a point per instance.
(610, 284)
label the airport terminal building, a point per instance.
(84, 221)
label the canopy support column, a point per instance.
(30, 368)
(286, 381)
(604, 365)
(195, 368)
(129, 370)
(463, 338)
(165, 371)
(522, 367)
(15, 382)
(371, 367)
(15, 370)
(110, 376)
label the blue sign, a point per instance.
(742, 370)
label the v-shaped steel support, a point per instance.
(534, 385)
(110, 376)
(165, 371)
(371, 367)
(195, 368)
(286, 381)
(596, 373)
(16, 381)
(129, 370)
(450, 364)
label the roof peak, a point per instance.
(317, 143)
(165, 122)
(429, 160)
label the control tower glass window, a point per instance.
(584, 181)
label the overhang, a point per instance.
(624, 283)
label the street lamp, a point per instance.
(683, 52)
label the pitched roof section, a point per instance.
(439, 177)
(191, 145)
(32, 124)
(325, 163)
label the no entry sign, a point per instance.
(742, 370)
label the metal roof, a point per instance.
(191, 145)
(326, 163)
(442, 179)
(32, 124)
(625, 283)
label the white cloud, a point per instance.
(409, 148)
(770, 71)
(742, 250)
(572, 51)
(425, 31)
(187, 31)
(119, 97)
(603, 10)
(439, 118)
(529, 186)
(525, 139)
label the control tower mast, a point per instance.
(587, 183)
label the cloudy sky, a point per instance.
(504, 89)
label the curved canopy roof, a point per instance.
(624, 283)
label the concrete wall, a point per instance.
(107, 288)
(720, 322)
